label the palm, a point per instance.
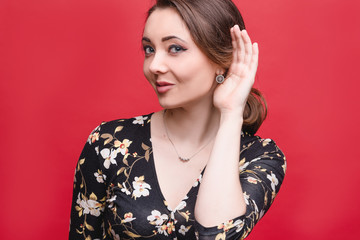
(232, 94)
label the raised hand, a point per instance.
(231, 96)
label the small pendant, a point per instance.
(184, 159)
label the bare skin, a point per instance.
(199, 112)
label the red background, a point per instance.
(67, 65)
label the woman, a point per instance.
(174, 174)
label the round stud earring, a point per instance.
(220, 78)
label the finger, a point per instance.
(234, 67)
(254, 58)
(254, 61)
(248, 47)
(240, 44)
(234, 45)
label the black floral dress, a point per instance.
(117, 194)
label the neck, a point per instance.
(195, 124)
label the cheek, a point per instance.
(194, 69)
(202, 74)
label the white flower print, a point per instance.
(125, 190)
(156, 218)
(93, 208)
(122, 147)
(94, 135)
(123, 156)
(198, 181)
(252, 180)
(183, 230)
(162, 229)
(181, 206)
(139, 120)
(172, 215)
(128, 217)
(246, 198)
(239, 225)
(141, 188)
(166, 229)
(274, 180)
(226, 226)
(90, 206)
(169, 208)
(284, 166)
(170, 227)
(266, 141)
(100, 177)
(109, 156)
(243, 166)
(111, 201)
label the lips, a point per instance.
(163, 86)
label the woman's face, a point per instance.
(176, 68)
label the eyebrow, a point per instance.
(164, 39)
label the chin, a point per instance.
(167, 105)
(172, 101)
(177, 104)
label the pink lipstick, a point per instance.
(163, 86)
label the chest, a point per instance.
(175, 177)
(137, 207)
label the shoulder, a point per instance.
(258, 145)
(117, 125)
(107, 131)
(264, 150)
(113, 140)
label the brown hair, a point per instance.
(209, 23)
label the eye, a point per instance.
(176, 48)
(148, 50)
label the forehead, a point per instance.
(165, 22)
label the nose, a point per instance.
(158, 64)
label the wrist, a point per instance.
(234, 115)
(233, 118)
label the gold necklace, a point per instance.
(183, 159)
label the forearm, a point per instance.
(220, 195)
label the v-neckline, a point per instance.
(154, 173)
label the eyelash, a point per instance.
(146, 48)
(172, 47)
(177, 47)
